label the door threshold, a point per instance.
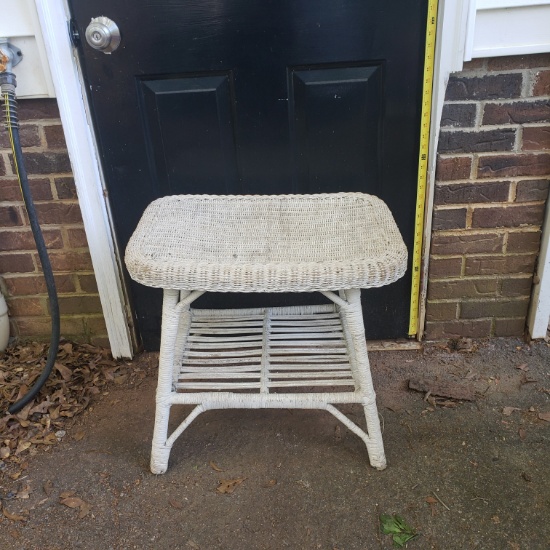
(394, 345)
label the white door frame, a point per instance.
(82, 148)
(53, 14)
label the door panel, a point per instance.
(260, 97)
(190, 157)
(335, 116)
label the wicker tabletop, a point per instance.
(267, 243)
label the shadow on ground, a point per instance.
(307, 483)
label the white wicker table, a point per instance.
(309, 357)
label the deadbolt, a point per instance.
(102, 34)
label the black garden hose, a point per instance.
(7, 85)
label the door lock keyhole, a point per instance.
(103, 34)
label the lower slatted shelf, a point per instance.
(267, 349)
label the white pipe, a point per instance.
(4, 324)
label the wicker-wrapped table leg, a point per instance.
(352, 321)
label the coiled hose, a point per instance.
(7, 86)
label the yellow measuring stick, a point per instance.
(423, 163)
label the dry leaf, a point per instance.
(271, 483)
(63, 371)
(495, 519)
(66, 494)
(72, 502)
(14, 517)
(48, 487)
(23, 446)
(227, 486)
(78, 435)
(507, 411)
(214, 466)
(24, 492)
(522, 434)
(432, 502)
(545, 416)
(85, 508)
(176, 504)
(523, 367)
(4, 452)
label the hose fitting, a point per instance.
(9, 105)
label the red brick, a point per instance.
(501, 86)
(473, 64)
(79, 304)
(454, 218)
(518, 112)
(484, 141)
(11, 191)
(24, 286)
(77, 238)
(466, 243)
(494, 308)
(536, 138)
(48, 162)
(479, 328)
(24, 240)
(445, 267)
(16, 263)
(2, 167)
(40, 328)
(30, 109)
(511, 62)
(509, 327)
(88, 283)
(10, 216)
(508, 216)
(466, 193)
(65, 188)
(516, 287)
(95, 325)
(532, 190)
(19, 307)
(514, 165)
(542, 83)
(58, 213)
(462, 288)
(455, 168)
(441, 311)
(459, 115)
(55, 137)
(28, 134)
(71, 261)
(494, 265)
(528, 241)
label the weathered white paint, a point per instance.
(539, 313)
(86, 169)
(509, 27)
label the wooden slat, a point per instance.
(305, 383)
(305, 367)
(219, 375)
(311, 375)
(218, 386)
(239, 368)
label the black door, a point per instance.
(258, 97)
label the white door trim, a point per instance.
(539, 311)
(82, 150)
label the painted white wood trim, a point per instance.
(86, 169)
(452, 21)
(511, 27)
(539, 312)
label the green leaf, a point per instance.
(389, 525)
(402, 539)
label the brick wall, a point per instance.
(54, 192)
(492, 181)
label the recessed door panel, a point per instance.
(189, 130)
(335, 117)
